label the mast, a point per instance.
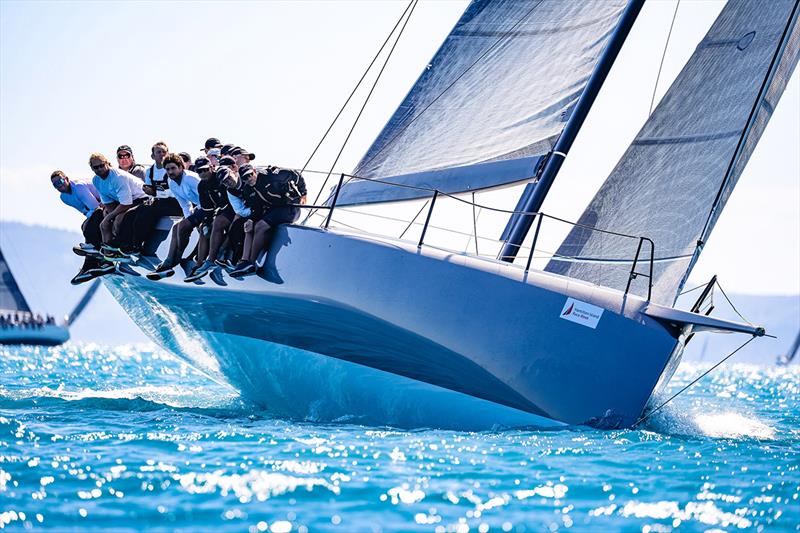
(556, 157)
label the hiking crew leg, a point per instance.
(91, 228)
(235, 239)
(183, 232)
(126, 236)
(202, 244)
(248, 238)
(172, 254)
(273, 217)
(259, 240)
(218, 229)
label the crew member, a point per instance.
(127, 163)
(183, 185)
(279, 190)
(213, 200)
(86, 200)
(227, 228)
(120, 194)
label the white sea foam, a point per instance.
(166, 394)
(733, 425)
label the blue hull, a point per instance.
(344, 326)
(49, 335)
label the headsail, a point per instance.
(11, 298)
(499, 91)
(676, 176)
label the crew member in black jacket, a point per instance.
(276, 191)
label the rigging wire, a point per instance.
(369, 95)
(731, 303)
(663, 56)
(701, 376)
(692, 290)
(413, 220)
(364, 75)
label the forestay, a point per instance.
(11, 298)
(499, 90)
(677, 175)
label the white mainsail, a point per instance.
(492, 101)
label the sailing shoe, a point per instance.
(111, 253)
(123, 268)
(118, 256)
(85, 249)
(216, 277)
(225, 263)
(200, 272)
(244, 268)
(106, 267)
(82, 277)
(163, 270)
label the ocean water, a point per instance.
(127, 438)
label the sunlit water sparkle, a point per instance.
(128, 438)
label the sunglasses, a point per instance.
(98, 167)
(58, 182)
(123, 156)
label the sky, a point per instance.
(81, 77)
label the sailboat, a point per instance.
(791, 355)
(19, 325)
(414, 329)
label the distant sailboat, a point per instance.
(344, 324)
(19, 325)
(791, 355)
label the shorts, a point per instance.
(285, 214)
(198, 216)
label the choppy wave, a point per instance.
(92, 437)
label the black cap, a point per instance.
(202, 164)
(223, 172)
(226, 149)
(186, 157)
(124, 148)
(212, 142)
(246, 170)
(226, 161)
(238, 150)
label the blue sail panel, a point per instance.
(450, 180)
(11, 298)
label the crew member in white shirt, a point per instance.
(155, 177)
(120, 193)
(183, 185)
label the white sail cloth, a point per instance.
(501, 87)
(674, 179)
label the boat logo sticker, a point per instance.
(581, 313)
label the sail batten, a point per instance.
(501, 87)
(675, 178)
